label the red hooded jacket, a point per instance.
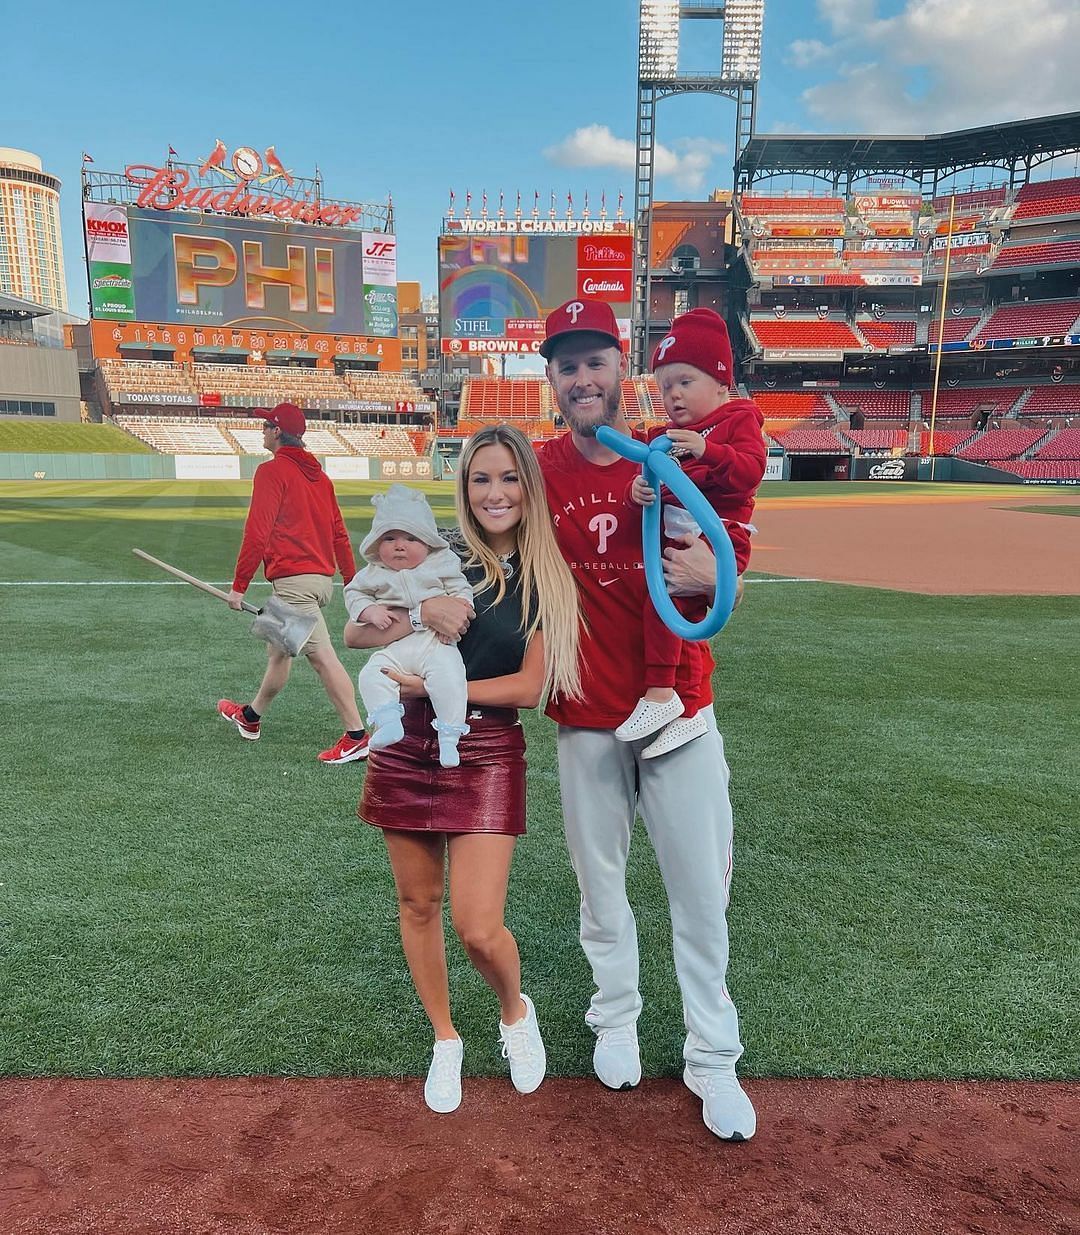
(294, 525)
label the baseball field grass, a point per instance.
(174, 901)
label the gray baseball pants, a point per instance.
(683, 799)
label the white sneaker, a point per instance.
(727, 1111)
(647, 717)
(677, 734)
(616, 1060)
(442, 1089)
(523, 1046)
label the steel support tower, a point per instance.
(658, 78)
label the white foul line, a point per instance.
(112, 583)
(218, 583)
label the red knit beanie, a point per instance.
(697, 338)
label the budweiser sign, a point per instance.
(175, 188)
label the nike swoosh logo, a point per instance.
(607, 582)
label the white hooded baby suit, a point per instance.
(439, 664)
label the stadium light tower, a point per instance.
(659, 77)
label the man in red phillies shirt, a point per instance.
(295, 531)
(683, 797)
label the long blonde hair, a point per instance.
(549, 596)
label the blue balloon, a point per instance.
(659, 468)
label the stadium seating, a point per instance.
(379, 441)
(175, 437)
(1041, 469)
(945, 441)
(802, 334)
(375, 387)
(886, 334)
(811, 441)
(1016, 321)
(966, 400)
(984, 199)
(1000, 444)
(649, 394)
(876, 439)
(146, 377)
(259, 386)
(793, 404)
(266, 386)
(1063, 445)
(1060, 252)
(794, 260)
(493, 398)
(877, 404)
(250, 440)
(179, 435)
(1053, 401)
(1048, 197)
(755, 205)
(957, 327)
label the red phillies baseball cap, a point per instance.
(579, 317)
(288, 418)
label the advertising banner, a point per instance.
(380, 310)
(219, 271)
(347, 467)
(993, 345)
(878, 203)
(108, 252)
(162, 397)
(864, 468)
(207, 467)
(490, 347)
(380, 259)
(802, 229)
(892, 229)
(501, 287)
(774, 468)
(112, 292)
(107, 238)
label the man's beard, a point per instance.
(608, 416)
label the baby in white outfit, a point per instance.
(408, 563)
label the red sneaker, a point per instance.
(228, 710)
(345, 750)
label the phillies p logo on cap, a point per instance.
(594, 317)
(664, 348)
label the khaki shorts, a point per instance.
(308, 594)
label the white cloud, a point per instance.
(945, 64)
(804, 52)
(846, 16)
(595, 145)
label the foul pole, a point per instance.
(941, 331)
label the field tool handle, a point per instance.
(182, 574)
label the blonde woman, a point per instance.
(519, 644)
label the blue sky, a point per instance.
(417, 99)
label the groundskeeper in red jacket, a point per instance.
(294, 526)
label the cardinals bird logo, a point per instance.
(216, 158)
(245, 165)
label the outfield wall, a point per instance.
(15, 466)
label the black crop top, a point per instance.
(494, 644)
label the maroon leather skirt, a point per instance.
(406, 788)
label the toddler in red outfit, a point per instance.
(720, 445)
